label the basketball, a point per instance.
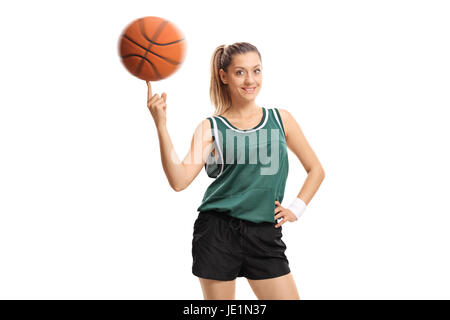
(152, 48)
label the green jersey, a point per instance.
(249, 168)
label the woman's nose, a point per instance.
(249, 81)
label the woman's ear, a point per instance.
(223, 76)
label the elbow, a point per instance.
(322, 173)
(319, 171)
(177, 188)
(179, 183)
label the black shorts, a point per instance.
(224, 247)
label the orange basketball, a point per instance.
(152, 48)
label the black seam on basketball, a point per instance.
(132, 41)
(152, 40)
(166, 59)
(155, 43)
(139, 66)
(155, 36)
(144, 58)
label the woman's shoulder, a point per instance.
(284, 114)
(282, 111)
(206, 128)
(286, 119)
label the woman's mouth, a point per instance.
(248, 89)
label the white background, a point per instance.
(86, 209)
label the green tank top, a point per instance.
(249, 168)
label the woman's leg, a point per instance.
(279, 288)
(218, 290)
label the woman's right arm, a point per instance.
(179, 174)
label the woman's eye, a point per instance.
(259, 71)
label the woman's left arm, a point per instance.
(297, 143)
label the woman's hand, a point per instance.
(157, 106)
(282, 212)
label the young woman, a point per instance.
(237, 232)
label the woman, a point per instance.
(236, 233)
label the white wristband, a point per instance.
(298, 206)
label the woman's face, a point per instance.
(245, 71)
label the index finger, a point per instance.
(149, 85)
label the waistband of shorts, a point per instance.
(226, 216)
(223, 215)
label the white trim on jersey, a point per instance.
(266, 115)
(276, 117)
(217, 142)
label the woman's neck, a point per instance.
(242, 111)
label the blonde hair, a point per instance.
(219, 92)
